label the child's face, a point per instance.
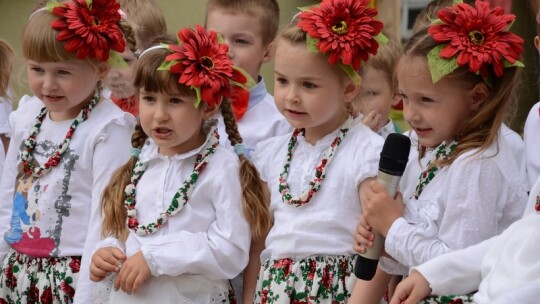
(376, 95)
(309, 91)
(64, 86)
(243, 35)
(434, 111)
(120, 80)
(172, 121)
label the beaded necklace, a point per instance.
(320, 169)
(178, 201)
(442, 152)
(29, 144)
(537, 205)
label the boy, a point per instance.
(378, 89)
(248, 27)
(147, 19)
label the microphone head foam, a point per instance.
(395, 154)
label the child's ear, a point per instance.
(537, 43)
(103, 70)
(267, 53)
(351, 90)
(479, 93)
(209, 110)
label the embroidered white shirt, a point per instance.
(325, 226)
(504, 268)
(473, 199)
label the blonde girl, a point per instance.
(67, 141)
(176, 230)
(313, 175)
(462, 185)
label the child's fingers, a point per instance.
(122, 275)
(127, 284)
(117, 253)
(97, 274)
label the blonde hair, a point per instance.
(429, 13)
(481, 129)
(147, 20)
(254, 202)
(267, 11)
(7, 55)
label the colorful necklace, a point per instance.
(320, 170)
(179, 200)
(30, 143)
(442, 152)
(537, 205)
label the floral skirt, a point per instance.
(451, 299)
(315, 279)
(25, 279)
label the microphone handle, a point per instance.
(366, 264)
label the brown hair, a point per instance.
(481, 129)
(7, 55)
(386, 60)
(147, 20)
(266, 10)
(253, 200)
(429, 13)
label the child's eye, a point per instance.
(176, 101)
(426, 99)
(148, 98)
(241, 41)
(36, 69)
(309, 85)
(281, 80)
(63, 72)
(370, 94)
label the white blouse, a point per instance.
(531, 135)
(473, 199)
(325, 226)
(209, 236)
(504, 269)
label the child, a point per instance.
(248, 27)
(185, 239)
(66, 142)
(532, 125)
(147, 19)
(7, 56)
(503, 269)
(313, 175)
(470, 188)
(119, 80)
(378, 89)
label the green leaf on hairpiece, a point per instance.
(307, 8)
(312, 44)
(517, 63)
(198, 98)
(381, 39)
(89, 3)
(220, 39)
(166, 65)
(353, 76)
(440, 67)
(456, 2)
(116, 60)
(435, 21)
(52, 4)
(250, 82)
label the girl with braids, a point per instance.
(462, 184)
(67, 141)
(314, 175)
(173, 221)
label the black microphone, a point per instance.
(394, 157)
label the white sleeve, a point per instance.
(458, 272)
(110, 152)
(474, 203)
(531, 136)
(219, 253)
(527, 294)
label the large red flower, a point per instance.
(345, 30)
(204, 64)
(479, 36)
(91, 30)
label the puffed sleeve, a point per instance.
(219, 253)
(111, 151)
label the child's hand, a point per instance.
(372, 120)
(363, 236)
(105, 260)
(379, 209)
(411, 290)
(133, 273)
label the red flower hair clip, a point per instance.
(476, 37)
(345, 30)
(89, 28)
(204, 65)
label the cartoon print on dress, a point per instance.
(26, 235)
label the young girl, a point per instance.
(469, 186)
(66, 143)
(182, 195)
(313, 175)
